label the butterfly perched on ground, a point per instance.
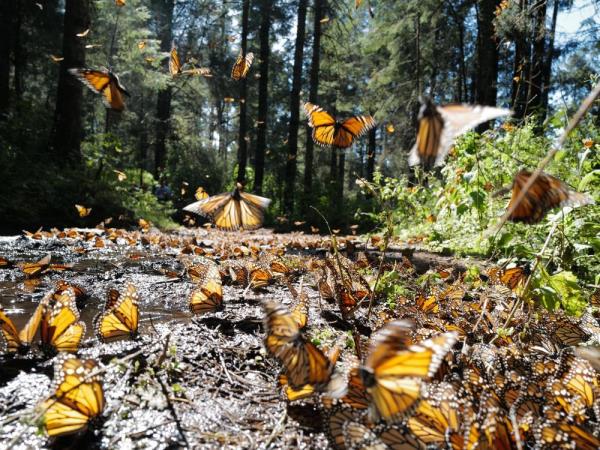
(103, 82)
(120, 315)
(546, 193)
(242, 66)
(207, 296)
(77, 399)
(395, 368)
(440, 125)
(329, 132)
(232, 210)
(60, 327)
(303, 362)
(513, 277)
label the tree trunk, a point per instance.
(333, 165)
(549, 58)
(487, 57)
(243, 138)
(163, 100)
(313, 96)
(371, 152)
(520, 70)
(263, 97)
(67, 132)
(291, 163)
(19, 52)
(538, 60)
(6, 16)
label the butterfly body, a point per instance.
(103, 82)
(440, 125)
(329, 132)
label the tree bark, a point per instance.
(263, 97)
(19, 52)
(487, 57)
(67, 132)
(6, 16)
(538, 61)
(291, 163)
(520, 70)
(313, 96)
(371, 152)
(549, 57)
(339, 198)
(243, 138)
(163, 100)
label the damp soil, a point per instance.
(187, 382)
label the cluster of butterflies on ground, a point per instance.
(438, 127)
(426, 379)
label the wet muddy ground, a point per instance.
(515, 377)
(215, 386)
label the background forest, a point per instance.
(61, 147)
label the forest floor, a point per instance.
(206, 381)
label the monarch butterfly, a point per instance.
(61, 330)
(83, 211)
(208, 295)
(546, 193)
(232, 211)
(78, 396)
(329, 132)
(440, 125)
(569, 333)
(242, 66)
(563, 435)
(36, 268)
(120, 315)
(358, 436)
(300, 311)
(260, 276)
(105, 83)
(304, 363)
(429, 305)
(174, 63)
(201, 194)
(394, 368)
(9, 337)
(335, 420)
(513, 277)
(436, 415)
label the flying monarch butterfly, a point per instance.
(328, 132)
(546, 193)
(78, 396)
(394, 369)
(242, 66)
(232, 211)
(208, 295)
(120, 315)
(303, 362)
(105, 83)
(201, 194)
(61, 330)
(83, 211)
(439, 126)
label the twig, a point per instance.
(276, 429)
